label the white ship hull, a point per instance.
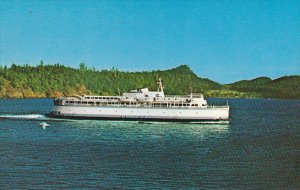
(141, 113)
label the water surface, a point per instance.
(259, 149)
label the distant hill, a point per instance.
(255, 82)
(58, 80)
(283, 87)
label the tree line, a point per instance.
(55, 80)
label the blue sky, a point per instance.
(221, 40)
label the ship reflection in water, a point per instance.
(144, 131)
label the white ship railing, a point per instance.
(139, 105)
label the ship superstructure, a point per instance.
(140, 104)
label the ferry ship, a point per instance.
(140, 105)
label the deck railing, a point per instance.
(139, 105)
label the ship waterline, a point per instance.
(139, 104)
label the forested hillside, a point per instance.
(284, 87)
(58, 80)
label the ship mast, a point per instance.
(160, 86)
(191, 89)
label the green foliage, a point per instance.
(284, 87)
(231, 94)
(57, 80)
(1, 82)
(82, 67)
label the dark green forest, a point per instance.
(284, 87)
(58, 80)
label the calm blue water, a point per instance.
(259, 149)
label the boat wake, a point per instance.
(32, 117)
(22, 116)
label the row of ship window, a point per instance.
(85, 102)
(133, 103)
(115, 98)
(100, 98)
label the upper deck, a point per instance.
(137, 98)
(120, 101)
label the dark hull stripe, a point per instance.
(131, 119)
